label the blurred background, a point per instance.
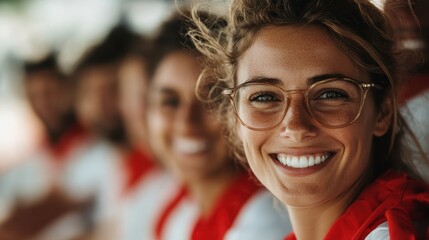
(30, 29)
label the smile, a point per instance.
(303, 161)
(189, 146)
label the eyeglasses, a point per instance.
(333, 103)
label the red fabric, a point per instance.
(415, 85)
(216, 224)
(224, 213)
(67, 141)
(137, 165)
(167, 211)
(393, 198)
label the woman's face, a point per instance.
(186, 138)
(293, 56)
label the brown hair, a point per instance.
(359, 28)
(172, 34)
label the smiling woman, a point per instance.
(309, 95)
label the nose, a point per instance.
(297, 124)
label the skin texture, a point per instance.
(315, 196)
(185, 137)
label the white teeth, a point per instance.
(317, 160)
(295, 162)
(310, 161)
(302, 161)
(189, 146)
(289, 161)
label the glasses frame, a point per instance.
(363, 86)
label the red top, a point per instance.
(415, 85)
(393, 198)
(224, 212)
(137, 165)
(71, 137)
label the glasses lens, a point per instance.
(334, 103)
(260, 106)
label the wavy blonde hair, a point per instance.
(359, 28)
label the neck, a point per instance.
(206, 191)
(314, 222)
(139, 144)
(136, 134)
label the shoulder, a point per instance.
(144, 205)
(403, 207)
(394, 199)
(262, 217)
(158, 185)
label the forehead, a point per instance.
(178, 71)
(42, 79)
(290, 53)
(98, 75)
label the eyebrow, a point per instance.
(310, 81)
(322, 77)
(164, 91)
(261, 79)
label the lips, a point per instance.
(303, 161)
(189, 146)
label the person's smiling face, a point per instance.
(186, 137)
(293, 55)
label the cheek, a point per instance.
(252, 142)
(357, 145)
(158, 131)
(214, 132)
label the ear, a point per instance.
(384, 117)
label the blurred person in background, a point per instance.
(411, 33)
(92, 170)
(134, 72)
(31, 195)
(108, 104)
(411, 21)
(97, 81)
(147, 185)
(49, 93)
(215, 197)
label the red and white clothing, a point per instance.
(137, 165)
(416, 114)
(78, 165)
(415, 85)
(144, 202)
(393, 207)
(244, 211)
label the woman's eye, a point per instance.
(333, 94)
(263, 98)
(170, 102)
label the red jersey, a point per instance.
(395, 199)
(137, 165)
(244, 211)
(415, 85)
